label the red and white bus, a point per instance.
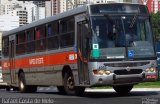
(96, 44)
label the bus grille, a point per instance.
(125, 72)
(128, 64)
(127, 80)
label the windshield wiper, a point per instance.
(108, 17)
(133, 21)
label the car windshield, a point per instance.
(121, 36)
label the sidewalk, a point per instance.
(112, 90)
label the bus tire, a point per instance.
(80, 90)
(69, 85)
(61, 89)
(8, 88)
(68, 81)
(123, 89)
(15, 88)
(31, 89)
(22, 83)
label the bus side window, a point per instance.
(52, 32)
(5, 46)
(67, 32)
(21, 43)
(40, 38)
(30, 45)
(37, 34)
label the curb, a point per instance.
(112, 90)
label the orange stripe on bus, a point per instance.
(43, 60)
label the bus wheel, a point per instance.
(69, 86)
(31, 88)
(8, 88)
(123, 89)
(15, 88)
(80, 91)
(61, 89)
(22, 83)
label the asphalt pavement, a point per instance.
(50, 95)
(48, 89)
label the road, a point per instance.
(50, 95)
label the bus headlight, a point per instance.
(150, 69)
(108, 72)
(101, 72)
(147, 70)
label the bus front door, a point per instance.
(81, 34)
(12, 58)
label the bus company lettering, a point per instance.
(36, 61)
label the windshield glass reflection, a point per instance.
(122, 36)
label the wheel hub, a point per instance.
(21, 85)
(70, 83)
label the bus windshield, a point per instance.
(122, 36)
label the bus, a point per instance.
(3, 85)
(92, 45)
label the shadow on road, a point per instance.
(110, 94)
(90, 94)
(135, 97)
(114, 94)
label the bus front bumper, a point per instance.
(114, 79)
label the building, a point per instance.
(23, 17)
(2, 9)
(48, 8)
(55, 7)
(8, 22)
(158, 5)
(11, 7)
(40, 9)
(40, 14)
(59, 6)
(30, 8)
(153, 5)
(6, 6)
(21, 13)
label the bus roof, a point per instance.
(55, 17)
(47, 20)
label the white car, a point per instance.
(2, 84)
(1, 80)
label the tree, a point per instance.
(155, 19)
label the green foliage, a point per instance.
(155, 84)
(155, 19)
